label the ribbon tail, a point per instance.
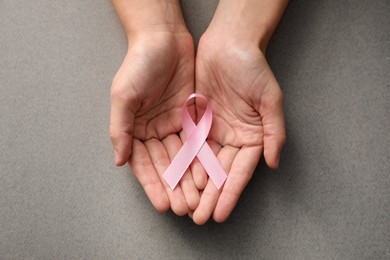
(212, 166)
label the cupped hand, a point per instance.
(147, 94)
(248, 118)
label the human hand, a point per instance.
(248, 121)
(147, 94)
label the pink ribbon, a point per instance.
(195, 146)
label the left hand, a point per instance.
(247, 118)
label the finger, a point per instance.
(210, 195)
(240, 173)
(173, 144)
(271, 111)
(122, 116)
(161, 161)
(190, 213)
(142, 168)
(199, 174)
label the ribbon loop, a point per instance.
(195, 146)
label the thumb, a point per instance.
(271, 111)
(122, 116)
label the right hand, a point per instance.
(147, 94)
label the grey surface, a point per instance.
(62, 198)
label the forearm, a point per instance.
(251, 20)
(150, 16)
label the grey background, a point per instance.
(62, 198)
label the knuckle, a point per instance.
(118, 91)
(113, 135)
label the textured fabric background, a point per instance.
(61, 197)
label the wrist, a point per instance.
(159, 39)
(228, 35)
(247, 21)
(150, 16)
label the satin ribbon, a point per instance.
(195, 146)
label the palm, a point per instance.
(160, 78)
(244, 94)
(159, 114)
(230, 83)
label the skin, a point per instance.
(157, 76)
(231, 70)
(147, 93)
